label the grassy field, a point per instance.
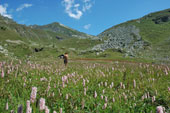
(84, 86)
(94, 81)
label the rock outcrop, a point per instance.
(162, 19)
(123, 38)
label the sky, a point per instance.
(88, 16)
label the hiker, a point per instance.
(65, 57)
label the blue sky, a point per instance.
(89, 16)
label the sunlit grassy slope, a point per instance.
(154, 29)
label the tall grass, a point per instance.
(84, 87)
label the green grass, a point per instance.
(156, 35)
(37, 38)
(77, 44)
(16, 86)
(8, 34)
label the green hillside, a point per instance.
(62, 30)
(20, 41)
(146, 38)
(153, 31)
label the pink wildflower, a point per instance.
(105, 106)
(105, 83)
(42, 104)
(7, 106)
(84, 82)
(49, 87)
(47, 110)
(95, 94)
(2, 73)
(103, 91)
(61, 110)
(102, 97)
(64, 78)
(159, 109)
(29, 109)
(153, 99)
(33, 94)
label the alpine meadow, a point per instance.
(124, 69)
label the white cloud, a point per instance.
(23, 6)
(87, 26)
(72, 9)
(76, 10)
(3, 11)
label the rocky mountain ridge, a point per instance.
(146, 37)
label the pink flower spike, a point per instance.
(84, 82)
(47, 110)
(29, 109)
(42, 104)
(105, 106)
(153, 99)
(2, 73)
(33, 94)
(61, 110)
(95, 94)
(7, 106)
(159, 109)
(102, 97)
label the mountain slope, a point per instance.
(62, 30)
(147, 37)
(16, 39)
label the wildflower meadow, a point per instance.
(84, 87)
